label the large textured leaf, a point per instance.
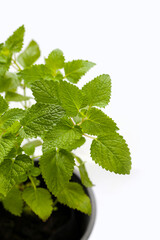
(55, 60)
(29, 55)
(74, 196)
(11, 171)
(15, 42)
(98, 91)
(40, 118)
(13, 202)
(57, 168)
(71, 98)
(76, 69)
(39, 200)
(45, 91)
(98, 123)
(63, 135)
(8, 82)
(3, 105)
(35, 72)
(9, 117)
(112, 153)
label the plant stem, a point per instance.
(24, 94)
(15, 62)
(84, 134)
(72, 121)
(55, 202)
(32, 181)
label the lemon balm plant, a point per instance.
(60, 120)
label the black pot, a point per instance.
(64, 224)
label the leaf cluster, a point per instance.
(60, 120)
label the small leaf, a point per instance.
(5, 60)
(40, 118)
(3, 105)
(9, 117)
(39, 200)
(83, 173)
(29, 55)
(71, 98)
(64, 135)
(57, 168)
(34, 73)
(45, 91)
(11, 171)
(112, 153)
(74, 196)
(29, 147)
(6, 144)
(15, 97)
(9, 82)
(13, 202)
(76, 69)
(98, 123)
(97, 92)
(35, 172)
(15, 42)
(55, 60)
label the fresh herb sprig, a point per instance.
(60, 120)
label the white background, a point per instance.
(122, 38)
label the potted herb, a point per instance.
(34, 191)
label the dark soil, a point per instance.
(64, 224)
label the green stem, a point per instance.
(72, 121)
(15, 62)
(55, 202)
(84, 134)
(24, 94)
(33, 183)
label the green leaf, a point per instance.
(84, 176)
(3, 105)
(45, 91)
(35, 72)
(57, 168)
(98, 123)
(71, 98)
(15, 42)
(35, 172)
(39, 200)
(6, 144)
(55, 60)
(40, 118)
(5, 60)
(15, 97)
(13, 202)
(13, 129)
(11, 171)
(29, 55)
(112, 153)
(9, 82)
(63, 135)
(98, 91)
(76, 69)
(74, 196)
(1, 46)
(83, 173)
(29, 147)
(9, 117)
